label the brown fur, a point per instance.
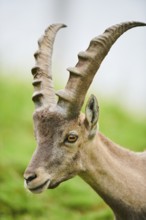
(68, 142)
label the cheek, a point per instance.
(76, 162)
(66, 161)
(75, 157)
(55, 159)
(62, 159)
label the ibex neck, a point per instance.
(116, 175)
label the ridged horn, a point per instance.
(81, 76)
(44, 93)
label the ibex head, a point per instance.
(62, 132)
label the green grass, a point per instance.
(74, 199)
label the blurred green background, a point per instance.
(123, 76)
(74, 199)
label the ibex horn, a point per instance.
(44, 93)
(81, 76)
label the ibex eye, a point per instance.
(71, 137)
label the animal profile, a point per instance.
(69, 142)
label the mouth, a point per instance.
(41, 187)
(48, 184)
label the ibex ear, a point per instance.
(92, 113)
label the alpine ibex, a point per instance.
(69, 143)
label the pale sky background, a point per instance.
(122, 75)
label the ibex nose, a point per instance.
(29, 177)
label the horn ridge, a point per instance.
(44, 93)
(87, 66)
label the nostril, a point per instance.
(30, 177)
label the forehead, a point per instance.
(54, 120)
(45, 115)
